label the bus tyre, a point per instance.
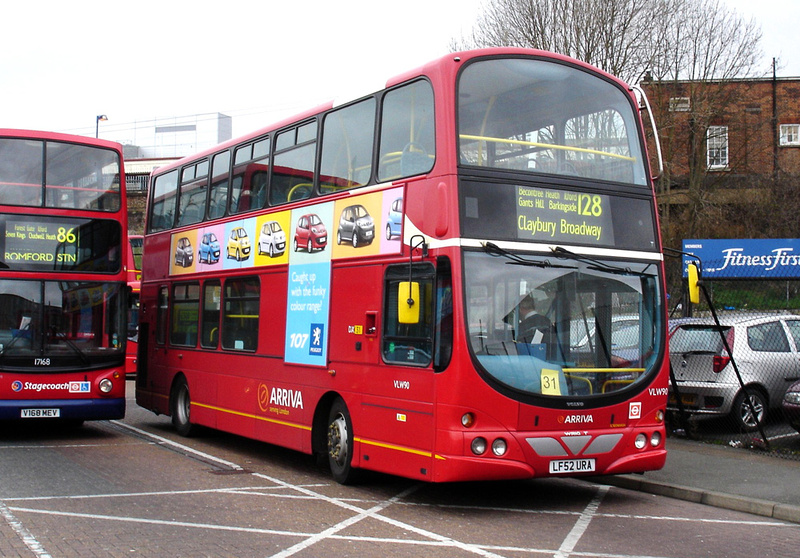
(340, 443)
(180, 404)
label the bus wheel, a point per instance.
(340, 443)
(180, 405)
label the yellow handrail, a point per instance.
(547, 146)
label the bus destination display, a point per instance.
(36, 242)
(548, 215)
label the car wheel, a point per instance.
(340, 443)
(355, 240)
(749, 417)
(271, 250)
(339, 237)
(180, 408)
(388, 231)
(310, 247)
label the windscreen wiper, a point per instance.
(515, 259)
(596, 265)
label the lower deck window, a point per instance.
(240, 315)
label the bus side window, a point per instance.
(407, 142)
(218, 192)
(293, 168)
(212, 293)
(161, 315)
(165, 196)
(347, 139)
(240, 314)
(408, 343)
(185, 310)
(443, 334)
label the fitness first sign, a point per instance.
(772, 258)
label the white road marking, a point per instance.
(582, 524)
(26, 537)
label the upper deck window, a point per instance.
(347, 139)
(407, 145)
(544, 117)
(38, 173)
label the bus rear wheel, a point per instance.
(180, 408)
(340, 443)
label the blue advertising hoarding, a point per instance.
(769, 258)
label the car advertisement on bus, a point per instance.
(307, 239)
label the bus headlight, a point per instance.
(106, 385)
(479, 446)
(641, 441)
(655, 439)
(499, 447)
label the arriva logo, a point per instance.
(286, 398)
(576, 419)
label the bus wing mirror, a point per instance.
(694, 283)
(408, 302)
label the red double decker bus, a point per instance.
(63, 284)
(457, 277)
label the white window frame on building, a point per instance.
(717, 147)
(680, 104)
(790, 134)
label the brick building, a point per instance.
(731, 149)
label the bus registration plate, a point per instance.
(566, 466)
(40, 413)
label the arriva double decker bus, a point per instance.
(63, 285)
(465, 279)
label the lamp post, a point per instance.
(100, 117)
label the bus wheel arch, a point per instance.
(180, 403)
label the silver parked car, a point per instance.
(765, 349)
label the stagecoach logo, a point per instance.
(576, 419)
(72, 387)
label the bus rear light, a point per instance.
(106, 385)
(655, 439)
(499, 447)
(479, 446)
(467, 420)
(641, 441)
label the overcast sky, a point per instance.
(64, 63)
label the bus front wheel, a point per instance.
(340, 443)
(180, 407)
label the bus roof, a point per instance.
(58, 136)
(434, 66)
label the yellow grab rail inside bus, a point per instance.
(547, 146)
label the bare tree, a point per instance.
(701, 44)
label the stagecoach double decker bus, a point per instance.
(63, 288)
(457, 277)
